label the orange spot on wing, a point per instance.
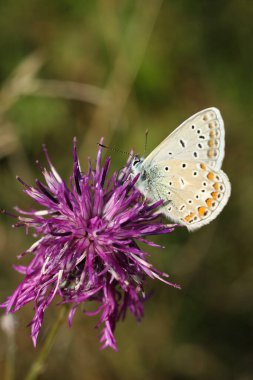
(210, 176)
(214, 194)
(210, 153)
(201, 211)
(203, 166)
(216, 186)
(211, 143)
(209, 202)
(189, 217)
(212, 134)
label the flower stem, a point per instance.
(37, 367)
(10, 359)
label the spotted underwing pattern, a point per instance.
(185, 171)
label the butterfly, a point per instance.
(184, 171)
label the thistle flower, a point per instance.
(87, 245)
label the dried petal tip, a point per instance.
(88, 245)
(8, 324)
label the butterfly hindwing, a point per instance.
(193, 193)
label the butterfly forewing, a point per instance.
(200, 138)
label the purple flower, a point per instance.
(87, 245)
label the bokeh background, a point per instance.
(115, 68)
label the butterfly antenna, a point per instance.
(115, 149)
(146, 142)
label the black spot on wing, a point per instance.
(182, 143)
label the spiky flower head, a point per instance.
(87, 245)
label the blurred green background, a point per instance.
(114, 68)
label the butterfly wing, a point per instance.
(200, 138)
(193, 193)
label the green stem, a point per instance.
(10, 359)
(39, 363)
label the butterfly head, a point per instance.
(136, 165)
